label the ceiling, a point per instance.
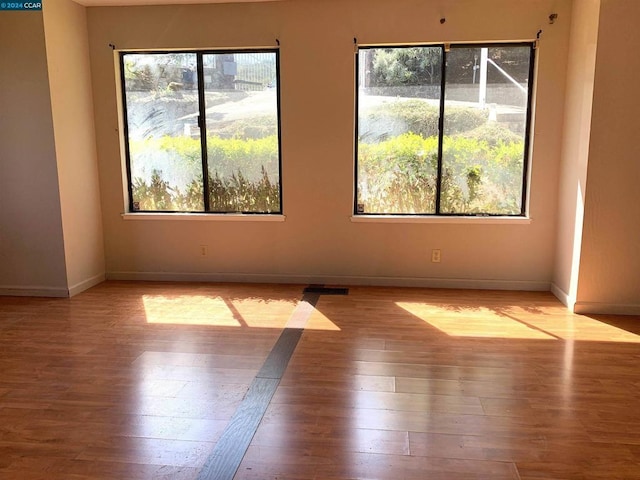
(111, 3)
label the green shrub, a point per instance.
(225, 156)
(399, 175)
(237, 194)
(463, 119)
(255, 127)
(415, 116)
(251, 157)
(419, 117)
(155, 195)
(493, 133)
(243, 175)
(479, 174)
(186, 148)
(233, 194)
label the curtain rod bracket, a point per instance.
(113, 47)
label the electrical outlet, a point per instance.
(435, 255)
(204, 249)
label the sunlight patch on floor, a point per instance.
(225, 312)
(516, 322)
(318, 321)
(582, 328)
(472, 322)
(189, 310)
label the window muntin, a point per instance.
(196, 119)
(443, 132)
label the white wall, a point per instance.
(72, 107)
(318, 242)
(31, 249)
(609, 279)
(575, 147)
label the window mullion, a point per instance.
(356, 211)
(527, 137)
(441, 128)
(202, 124)
(126, 133)
(277, 53)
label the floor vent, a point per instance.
(326, 290)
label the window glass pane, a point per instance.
(485, 121)
(398, 116)
(241, 100)
(164, 139)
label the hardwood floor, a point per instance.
(140, 380)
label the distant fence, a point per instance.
(234, 71)
(255, 71)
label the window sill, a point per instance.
(441, 219)
(205, 217)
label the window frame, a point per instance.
(202, 126)
(446, 47)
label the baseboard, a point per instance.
(86, 284)
(33, 291)
(480, 284)
(563, 297)
(597, 308)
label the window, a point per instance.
(202, 131)
(443, 131)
